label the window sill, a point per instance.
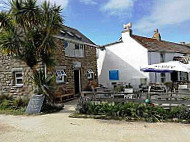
(74, 56)
(58, 83)
(18, 86)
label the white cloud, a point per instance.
(88, 2)
(165, 13)
(121, 8)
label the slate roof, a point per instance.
(74, 34)
(161, 46)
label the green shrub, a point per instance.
(132, 110)
(83, 105)
(50, 108)
(6, 104)
(180, 112)
(21, 102)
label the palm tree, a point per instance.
(27, 33)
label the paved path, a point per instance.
(58, 127)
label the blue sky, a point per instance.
(102, 20)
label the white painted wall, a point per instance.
(127, 57)
(154, 58)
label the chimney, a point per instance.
(157, 35)
(127, 31)
(183, 43)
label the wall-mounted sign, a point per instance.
(77, 64)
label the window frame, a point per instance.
(63, 76)
(90, 74)
(163, 77)
(17, 78)
(74, 49)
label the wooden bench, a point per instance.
(61, 94)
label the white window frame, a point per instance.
(90, 74)
(62, 74)
(16, 78)
(163, 77)
(72, 51)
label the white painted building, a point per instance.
(121, 61)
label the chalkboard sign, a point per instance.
(35, 104)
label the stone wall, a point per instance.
(89, 61)
(7, 82)
(7, 64)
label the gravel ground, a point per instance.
(59, 127)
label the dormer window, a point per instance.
(78, 36)
(90, 74)
(62, 32)
(69, 33)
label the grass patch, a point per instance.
(20, 111)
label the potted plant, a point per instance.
(128, 89)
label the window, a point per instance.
(163, 77)
(60, 76)
(65, 44)
(90, 74)
(77, 46)
(113, 75)
(74, 50)
(183, 76)
(143, 81)
(162, 57)
(18, 78)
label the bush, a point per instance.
(132, 110)
(21, 102)
(49, 108)
(180, 112)
(83, 105)
(9, 105)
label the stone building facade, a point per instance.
(12, 71)
(72, 71)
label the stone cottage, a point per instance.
(75, 60)
(120, 61)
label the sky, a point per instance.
(102, 20)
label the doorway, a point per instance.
(77, 81)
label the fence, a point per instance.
(166, 100)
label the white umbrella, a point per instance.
(167, 67)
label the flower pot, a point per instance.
(128, 90)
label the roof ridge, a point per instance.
(74, 29)
(162, 40)
(112, 43)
